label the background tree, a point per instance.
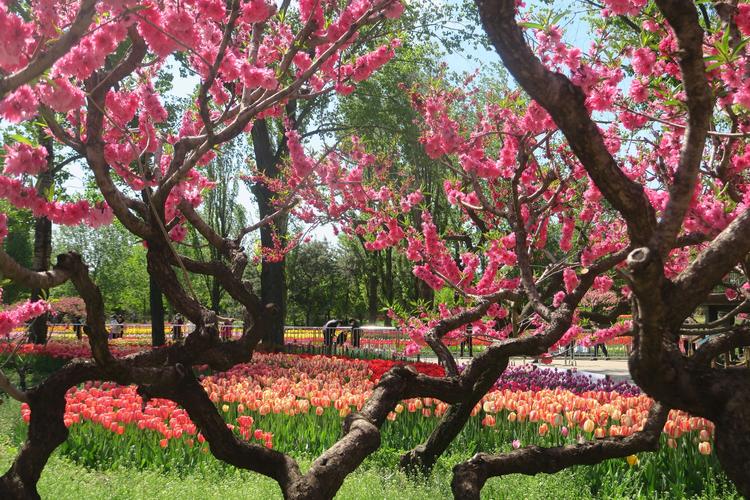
(117, 263)
(314, 283)
(222, 211)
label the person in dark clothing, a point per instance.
(356, 332)
(329, 330)
(177, 323)
(121, 322)
(78, 327)
(341, 337)
(604, 350)
(226, 329)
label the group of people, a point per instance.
(329, 332)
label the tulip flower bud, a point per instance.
(588, 425)
(704, 448)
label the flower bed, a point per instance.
(296, 403)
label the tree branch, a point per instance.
(469, 477)
(682, 16)
(565, 104)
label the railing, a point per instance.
(380, 340)
(371, 337)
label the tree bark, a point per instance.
(372, 296)
(388, 282)
(157, 312)
(216, 293)
(733, 442)
(42, 242)
(272, 274)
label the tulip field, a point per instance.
(296, 402)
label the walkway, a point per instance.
(617, 369)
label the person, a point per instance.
(226, 329)
(177, 323)
(341, 337)
(114, 328)
(329, 330)
(78, 327)
(356, 333)
(604, 350)
(121, 323)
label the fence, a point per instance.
(371, 337)
(379, 340)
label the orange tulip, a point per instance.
(704, 448)
(588, 425)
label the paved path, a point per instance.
(617, 369)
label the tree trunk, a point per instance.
(42, 252)
(42, 241)
(388, 282)
(157, 312)
(733, 442)
(372, 297)
(216, 293)
(272, 274)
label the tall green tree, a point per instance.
(117, 263)
(223, 211)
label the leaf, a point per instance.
(22, 139)
(529, 24)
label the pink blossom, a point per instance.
(21, 158)
(3, 234)
(301, 164)
(16, 40)
(211, 9)
(603, 283)
(643, 61)
(19, 314)
(742, 96)
(60, 95)
(369, 63)
(638, 91)
(566, 239)
(254, 77)
(632, 121)
(570, 279)
(122, 106)
(149, 29)
(20, 105)
(742, 18)
(256, 11)
(394, 10)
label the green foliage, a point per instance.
(117, 263)
(19, 245)
(317, 289)
(222, 211)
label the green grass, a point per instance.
(63, 479)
